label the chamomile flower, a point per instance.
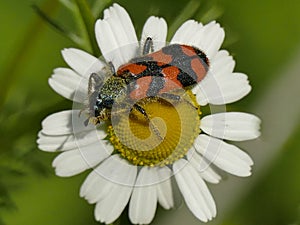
(130, 163)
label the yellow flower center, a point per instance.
(162, 136)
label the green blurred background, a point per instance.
(264, 38)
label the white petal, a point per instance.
(203, 167)
(65, 122)
(155, 28)
(226, 156)
(164, 188)
(143, 201)
(194, 190)
(111, 207)
(51, 143)
(208, 38)
(82, 62)
(95, 187)
(212, 39)
(116, 36)
(115, 198)
(54, 143)
(59, 123)
(119, 15)
(221, 85)
(233, 126)
(113, 171)
(69, 84)
(187, 33)
(72, 162)
(222, 64)
(220, 90)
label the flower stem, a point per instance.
(73, 37)
(213, 13)
(98, 6)
(89, 21)
(189, 10)
(69, 5)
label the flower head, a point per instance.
(134, 154)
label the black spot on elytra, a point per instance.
(157, 83)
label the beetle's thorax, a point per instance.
(112, 89)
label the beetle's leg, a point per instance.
(94, 82)
(153, 127)
(86, 122)
(148, 46)
(176, 98)
(171, 96)
(111, 67)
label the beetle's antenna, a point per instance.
(148, 46)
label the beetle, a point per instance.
(160, 73)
